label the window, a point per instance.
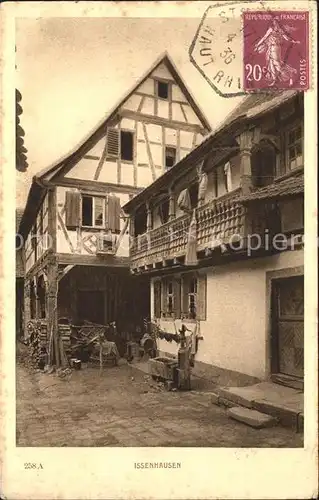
(162, 89)
(181, 297)
(120, 144)
(171, 289)
(126, 145)
(194, 296)
(294, 149)
(170, 156)
(93, 211)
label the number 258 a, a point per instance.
(254, 72)
(32, 465)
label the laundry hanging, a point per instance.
(191, 247)
(184, 201)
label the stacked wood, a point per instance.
(65, 335)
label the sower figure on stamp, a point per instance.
(271, 43)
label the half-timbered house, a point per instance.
(76, 234)
(224, 242)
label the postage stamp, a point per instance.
(276, 50)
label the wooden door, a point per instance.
(90, 306)
(288, 327)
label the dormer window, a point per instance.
(170, 157)
(162, 89)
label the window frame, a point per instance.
(132, 132)
(119, 137)
(169, 146)
(287, 162)
(191, 294)
(166, 82)
(93, 197)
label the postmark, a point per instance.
(276, 50)
(217, 49)
(219, 46)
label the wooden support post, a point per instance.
(52, 306)
(245, 143)
(171, 208)
(149, 217)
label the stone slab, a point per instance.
(214, 398)
(234, 397)
(288, 417)
(253, 418)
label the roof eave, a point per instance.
(32, 205)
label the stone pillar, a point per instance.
(172, 207)
(26, 307)
(52, 308)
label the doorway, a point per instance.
(287, 354)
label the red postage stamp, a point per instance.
(276, 50)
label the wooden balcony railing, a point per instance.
(217, 222)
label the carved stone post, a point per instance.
(171, 207)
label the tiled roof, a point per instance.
(286, 187)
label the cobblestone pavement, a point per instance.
(120, 407)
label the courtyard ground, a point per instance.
(123, 407)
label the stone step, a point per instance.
(253, 418)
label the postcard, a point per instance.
(159, 305)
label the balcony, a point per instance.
(217, 222)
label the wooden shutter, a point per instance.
(113, 219)
(177, 297)
(201, 297)
(157, 299)
(72, 209)
(185, 289)
(113, 142)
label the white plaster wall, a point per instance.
(63, 246)
(147, 87)
(235, 331)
